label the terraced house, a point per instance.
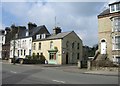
(2, 41)
(21, 45)
(59, 47)
(109, 33)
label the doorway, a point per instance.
(66, 58)
(103, 47)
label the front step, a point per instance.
(102, 57)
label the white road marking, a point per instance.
(58, 81)
(13, 72)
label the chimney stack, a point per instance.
(56, 30)
(7, 29)
(2, 32)
(31, 26)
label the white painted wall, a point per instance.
(2, 41)
(20, 46)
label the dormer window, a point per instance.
(38, 36)
(118, 6)
(112, 8)
(43, 36)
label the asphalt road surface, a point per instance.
(32, 74)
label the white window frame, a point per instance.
(111, 8)
(43, 36)
(38, 36)
(115, 25)
(114, 44)
(116, 7)
(51, 45)
(114, 57)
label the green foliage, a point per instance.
(28, 57)
(33, 55)
(55, 48)
(34, 59)
(42, 58)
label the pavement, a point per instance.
(72, 69)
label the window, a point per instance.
(34, 46)
(118, 7)
(21, 52)
(39, 48)
(73, 44)
(67, 44)
(38, 36)
(30, 52)
(112, 8)
(52, 56)
(116, 24)
(18, 43)
(24, 52)
(38, 55)
(78, 44)
(116, 45)
(2, 39)
(25, 41)
(78, 55)
(51, 45)
(43, 36)
(18, 53)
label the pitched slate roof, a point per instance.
(40, 29)
(114, 3)
(59, 35)
(105, 12)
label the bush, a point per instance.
(28, 57)
(42, 59)
(35, 56)
(34, 59)
(31, 61)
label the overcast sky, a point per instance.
(78, 16)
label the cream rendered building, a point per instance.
(60, 47)
(109, 33)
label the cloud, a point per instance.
(80, 17)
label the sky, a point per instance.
(71, 15)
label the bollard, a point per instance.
(89, 65)
(79, 64)
(10, 60)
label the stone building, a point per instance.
(59, 47)
(109, 33)
(23, 41)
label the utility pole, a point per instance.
(55, 21)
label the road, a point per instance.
(35, 74)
